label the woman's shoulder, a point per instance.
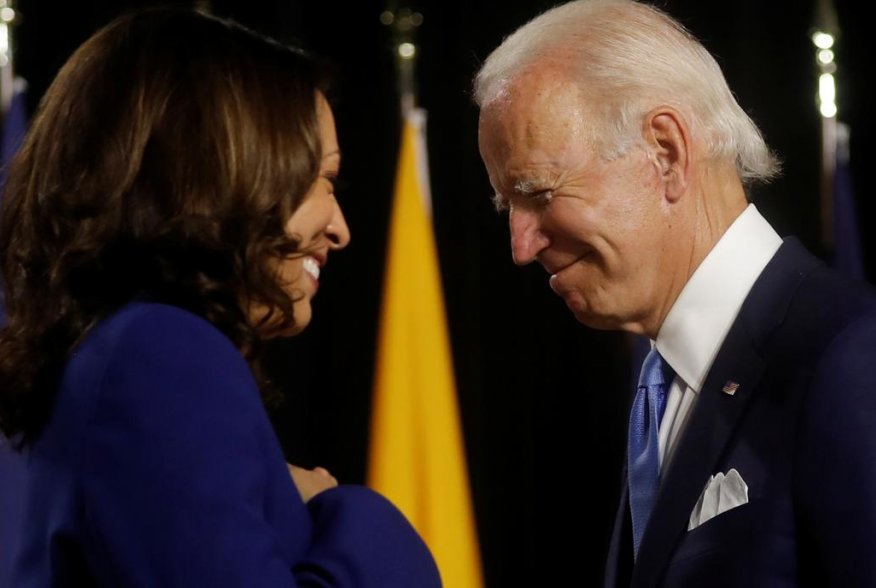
(151, 330)
(144, 323)
(152, 344)
(149, 371)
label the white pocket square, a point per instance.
(722, 492)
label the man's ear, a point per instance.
(668, 139)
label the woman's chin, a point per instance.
(291, 330)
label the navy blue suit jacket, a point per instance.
(159, 467)
(800, 430)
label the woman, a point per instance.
(171, 208)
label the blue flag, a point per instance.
(13, 130)
(14, 127)
(847, 253)
(12, 464)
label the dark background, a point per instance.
(544, 400)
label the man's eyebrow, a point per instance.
(499, 201)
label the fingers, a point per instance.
(311, 482)
(324, 472)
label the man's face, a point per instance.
(600, 228)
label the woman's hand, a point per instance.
(311, 482)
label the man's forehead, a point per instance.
(535, 85)
(536, 107)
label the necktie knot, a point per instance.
(655, 370)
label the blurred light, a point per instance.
(387, 17)
(822, 40)
(416, 19)
(826, 88)
(7, 14)
(827, 95)
(825, 56)
(407, 50)
(828, 110)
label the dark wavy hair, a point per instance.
(163, 161)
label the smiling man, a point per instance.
(621, 158)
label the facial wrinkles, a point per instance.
(613, 222)
(541, 155)
(636, 217)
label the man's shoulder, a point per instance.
(801, 303)
(830, 298)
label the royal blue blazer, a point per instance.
(159, 467)
(801, 431)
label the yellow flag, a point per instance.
(417, 456)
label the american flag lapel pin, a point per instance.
(730, 387)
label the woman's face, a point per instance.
(318, 224)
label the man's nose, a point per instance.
(527, 238)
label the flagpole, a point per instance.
(204, 6)
(404, 23)
(824, 38)
(8, 17)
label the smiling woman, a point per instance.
(318, 225)
(170, 209)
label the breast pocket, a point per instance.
(714, 554)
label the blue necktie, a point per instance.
(643, 452)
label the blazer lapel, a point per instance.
(717, 413)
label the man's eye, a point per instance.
(542, 197)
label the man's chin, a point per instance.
(584, 313)
(593, 317)
(605, 322)
(596, 322)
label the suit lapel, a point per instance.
(717, 413)
(708, 431)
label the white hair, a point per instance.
(627, 58)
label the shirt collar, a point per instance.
(698, 322)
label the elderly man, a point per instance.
(621, 157)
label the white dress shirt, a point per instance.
(700, 319)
